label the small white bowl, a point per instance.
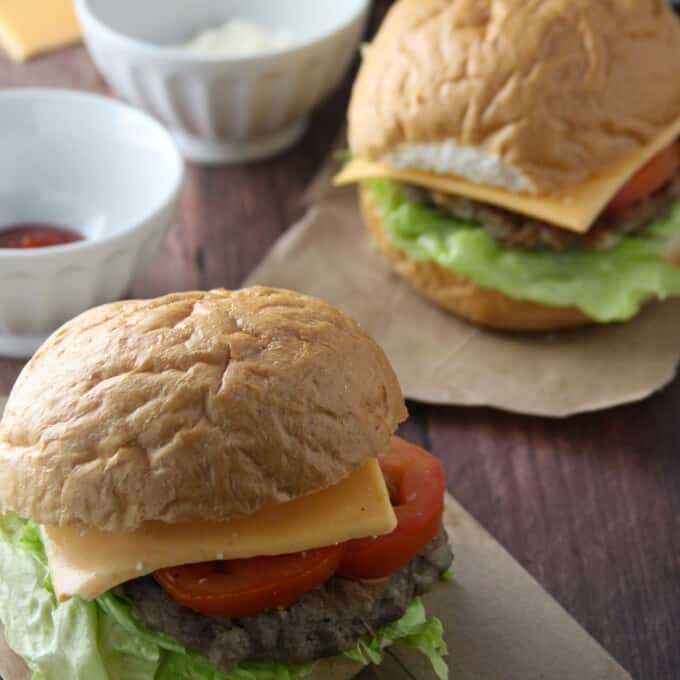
(96, 166)
(224, 110)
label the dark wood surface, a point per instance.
(589, 505)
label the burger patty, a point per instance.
(323, 622)
(514, 229)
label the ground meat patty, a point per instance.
(323, 622)
(513, 229)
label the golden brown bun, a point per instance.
(191, 406)
(458, 294)
(533, 96)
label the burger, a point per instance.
(206, 486)
(518, 161)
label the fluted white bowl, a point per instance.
(224, 109)
(94, 165)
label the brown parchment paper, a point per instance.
(499, 623)
(442, 360)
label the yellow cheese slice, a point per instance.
(88, 562)
(30, 27)
(574, 209)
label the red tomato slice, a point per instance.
(416, 481)
(648, 179)
(242, 587)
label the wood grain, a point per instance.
(589, 505)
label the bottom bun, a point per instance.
(12, 667)
(459, 295)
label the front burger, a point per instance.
(206, 486)
(518, 161)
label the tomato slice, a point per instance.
(242, 587)
(416, 482)
(648, 179)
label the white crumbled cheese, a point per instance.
(219, 556)
(139, 566)
(237, 37)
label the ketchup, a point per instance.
(36, 236)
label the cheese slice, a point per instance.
(30, 27)
(574, 209)
(88, 562)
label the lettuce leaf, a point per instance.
(47, 636)
(411, 630)
(102, 640)
(607, 285)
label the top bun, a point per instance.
(529, 95)
(200, 405)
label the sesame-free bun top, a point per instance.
(201, 405)
(530, 95)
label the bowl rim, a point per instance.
(86, 14)
(155, 209)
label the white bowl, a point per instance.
(224, 110)
(92, 164)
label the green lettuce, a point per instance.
(102, 640)
(607, 285)
(411, 630)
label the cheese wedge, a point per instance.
(574, 209)
(30, 27)
(88, 562)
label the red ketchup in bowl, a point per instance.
(36, 236)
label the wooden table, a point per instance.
(589, 505)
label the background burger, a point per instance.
(519, 160)
(198, 487)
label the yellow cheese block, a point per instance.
(88, 562)
(30, 27)
(575, 209)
